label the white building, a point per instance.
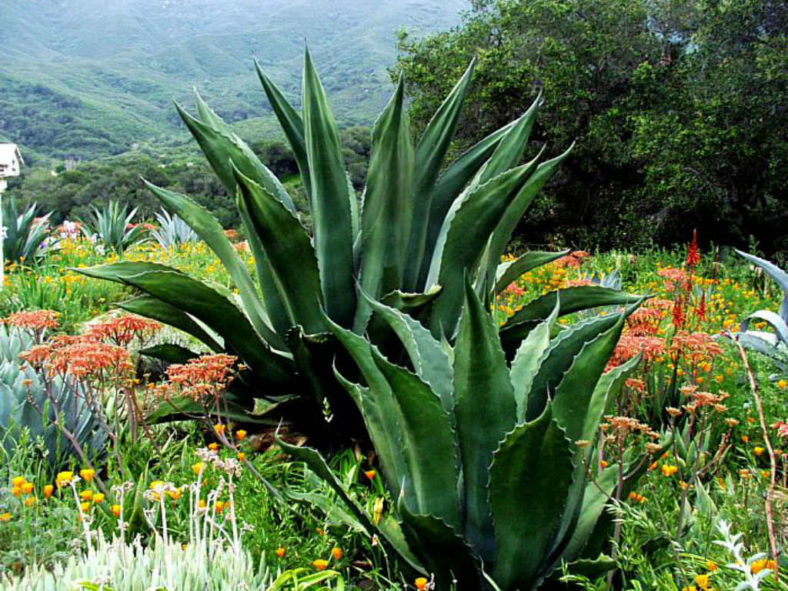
(10, 162)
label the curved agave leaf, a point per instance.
(331, 207)
(559, 357)
(511, 217)
(429, 360)
(292, 125)
(388, 206)
(573, 299)
(512, 145)
(465, 232)
(510, 271)
(442, 549)
(535, 459)
(208, 228)
(575, 409)
(482, 391)
(772, 319)
(289, 253)
(529, 357)
(411, 432)
(224, 149)
(430, 153)
(780, 276)
(448, 187)
(205, 304)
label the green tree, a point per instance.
(678, 108)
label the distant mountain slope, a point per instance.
(83, 78)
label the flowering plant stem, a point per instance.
(772, 459)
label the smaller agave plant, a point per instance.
(43, 406)
(24, 232)
(111, 227)
(773, 345)
(172, 230)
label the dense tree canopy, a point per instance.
(678, 109)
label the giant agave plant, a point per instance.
(483, 456)
(419, 227)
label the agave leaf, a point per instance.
(289, 252)
(410, 429)
(510, 271)
(481, 389)
(574, 392)
(573, 299)
(428, 445)
(377, 404)
(510, 149)
(535, 459)
(223, 149)
(169, 352)
(449, 186)
(207, 227)
(595, 498)
(292, 125)
(772, 319)
(205, 304)
(388, 206)
(465, 232)
(572, 406)
(441, 549)
(780, 276)
(331, 209)
(559, 358)
(512, 216)
(528, 359)
(156, 309)
(429, 360)
(430, 154)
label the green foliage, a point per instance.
(461, 458)
(24, 232)
(660, 97)
(40, 408)
(99, 79)
(414, 237)
(112, 227)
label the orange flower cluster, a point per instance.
(631, 345)
(674, 278)
(201, 378)
(696, 346)
(79, 357)
(36, 320)
(699, 399)
(122, 330)
(646, 320)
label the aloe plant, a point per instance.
(44, 406)
(24, 232)
(489, 460)
(774, 345)
(419, 227)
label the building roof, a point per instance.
(10, 151)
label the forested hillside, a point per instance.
(88, 78)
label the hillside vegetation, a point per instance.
(89, 78)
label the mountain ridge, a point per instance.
(84, 78)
